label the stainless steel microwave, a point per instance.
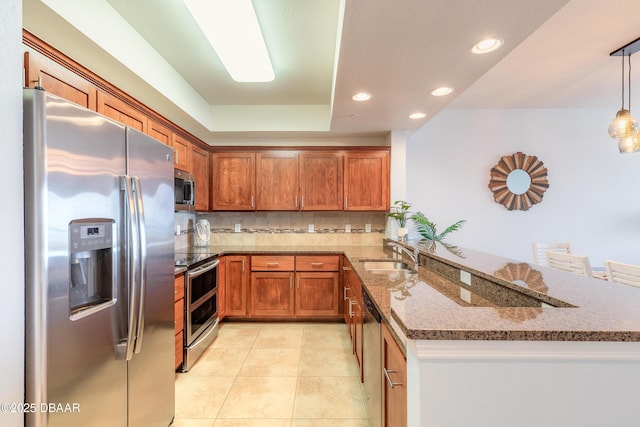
(185, 191)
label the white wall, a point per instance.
(12, 259)
(593, 200)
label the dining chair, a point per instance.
(619, 272)
(578, 264)
(540, 251)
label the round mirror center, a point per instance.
(518, 181)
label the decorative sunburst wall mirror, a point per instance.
(518, 181)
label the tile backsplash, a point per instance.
(284, 228)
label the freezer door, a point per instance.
(74, 370)
(151, 369)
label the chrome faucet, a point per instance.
(413, 255)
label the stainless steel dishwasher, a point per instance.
(372, 384)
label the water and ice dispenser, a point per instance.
(91, 266)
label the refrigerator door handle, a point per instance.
(131, 264)
(142, 263)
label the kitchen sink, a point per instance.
(386, 266)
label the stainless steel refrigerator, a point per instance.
(99, 270)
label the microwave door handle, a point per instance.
(142, 264)
(192, 192)
(132, 254)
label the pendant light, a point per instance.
(624, 127)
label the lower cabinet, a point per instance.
(237, 276)
(272, 293)
(394, 389)
(178, 305)
(317, 286)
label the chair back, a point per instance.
(619, 272)
(578, 264)
(540, 251)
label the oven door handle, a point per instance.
(192, 274)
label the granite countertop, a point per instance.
(549, 305)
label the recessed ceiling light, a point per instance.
(417, 116)
(487, 45)
(361, 96)
(441, 91)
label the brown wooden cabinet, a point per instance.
(58, 81)
(233, 181)
(394, 377)
(277, 180)
(181, 152)
(272, 292)
(366, 180)
(321, 180)
(317, 285)
(237, 278)
(121, 112)
(356, 325)
(159, 132)
(200, 166)
(178, 306)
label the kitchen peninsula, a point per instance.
(521, 345)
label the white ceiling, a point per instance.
(555, 56)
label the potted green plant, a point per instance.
(400, 212)
(428, 230)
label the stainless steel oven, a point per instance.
(201, 310)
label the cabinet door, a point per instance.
(321, 181)
(182, 152)
(394, 377)
(159, 132)
(233, 181)
(277, 180)
(237, 277)
(200, 166)
(317, 293)
(58, 81)
(122, 112)
(272, 293)
(366, 181)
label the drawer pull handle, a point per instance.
(317, 264)
(272, 264)
(344, 292)
(386, 375)
(346, 268)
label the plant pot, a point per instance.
(402, 233)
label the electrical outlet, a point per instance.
(465, 277)
(347, 228)
(236, 228)
(465, 295)
(311, 228)
(367, 228)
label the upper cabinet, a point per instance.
(200, 168)
(181, 152)
(366, 180)
(58, 81)
(300, 179)
(159, 132)
(120, 111)
(321, 180)
(277, 181)
(233, 177)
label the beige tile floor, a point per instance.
(273, 375)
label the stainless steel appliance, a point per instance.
(99, 270)
(201, 303)
(184, 191)
(372, 364)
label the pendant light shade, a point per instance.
(624, 127)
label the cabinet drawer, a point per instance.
(317, 262)
(178, 287)
(178, 315)
(272, 263)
